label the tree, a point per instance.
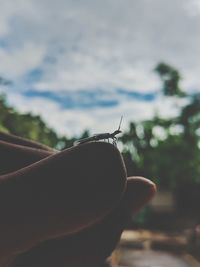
(26, 125)
(31, 127)
(154, 149)
(166, 150)
(170, 78)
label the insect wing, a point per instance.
(84, 140)
(95, 137)
(101, 136)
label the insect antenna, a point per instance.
(120, 123)
(112, 135)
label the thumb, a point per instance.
(138, 193)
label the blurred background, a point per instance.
(70, 69)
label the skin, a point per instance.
(55, 233)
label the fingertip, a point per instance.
(139, 192)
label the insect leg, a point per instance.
(114, 141)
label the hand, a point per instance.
(91, 246)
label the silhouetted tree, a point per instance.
(170, 78)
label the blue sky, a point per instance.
(83, 64)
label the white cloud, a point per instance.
(74, 122)
(17, 62)
(97, 44)
(193, 7)
(107, 44)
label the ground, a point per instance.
(153, 249)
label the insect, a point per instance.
(101, 136)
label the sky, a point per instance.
(83, 64)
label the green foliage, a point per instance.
(170, 78)
(28, 126)
(142, 218)
(166, 150)
(167, 156)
